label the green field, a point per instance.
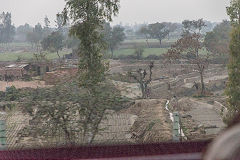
(27, 56)
(117, 53)
(23, 55)
(14, 45)
(147, 52)
(150, 41)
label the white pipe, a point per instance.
(180, 131)
(171, 114)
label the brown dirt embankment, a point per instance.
(153, 123)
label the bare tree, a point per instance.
(189, 45)
(141, 77)
(144, 30)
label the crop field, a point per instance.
(13, 56)
(27, 55)
(150, 40)
(147, 52)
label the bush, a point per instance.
(138, 53)
(26, 77)
(127, 57)
(11, 94)
(152, 57)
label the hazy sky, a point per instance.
(33, 11)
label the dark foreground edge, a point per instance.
(166, 151)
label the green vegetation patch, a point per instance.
(147, 52)
(27, 56)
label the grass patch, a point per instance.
(150, 41)
(129, 50)
(200, 96)
(147, 52)
(28, 56)
(150, 126)
(15, 44)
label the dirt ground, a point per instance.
(202, 119)
(22, 84)
(199, 119)
(116, 128)
(130, 90)
(147, 120)
(153, 123)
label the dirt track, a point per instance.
(130, 90)
(206, 115)
(202, 115)
(22, 84)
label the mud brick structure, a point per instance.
(14, 72)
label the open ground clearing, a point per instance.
(22, 84)
(202, 120)
(148, 120)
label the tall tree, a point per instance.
(217, 41)
(32, 38)
(233, 86)
(22, 32)
(158, 31)
(88, 17)
(39, 30)
(146, 33)
(113, 36)
(46, 22)
(7, 30)
(171, 27)
(189, 45)
(36, 36)
(53, 42)
(141, 76)
(139, 50)
(59, 22)
(46, 28)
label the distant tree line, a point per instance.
(217, 41)
(7, 30)
(54, 39)
(157, 31)
(113, 36)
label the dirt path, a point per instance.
(130, 90)
(205, 115)
(22, 84)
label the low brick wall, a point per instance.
(15, 73)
